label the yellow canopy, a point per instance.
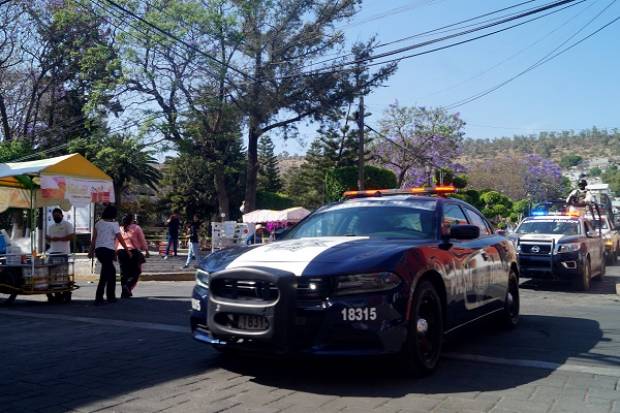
(73, 165)
(69, 178)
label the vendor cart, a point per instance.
(63, 181)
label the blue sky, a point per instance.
(577, 90)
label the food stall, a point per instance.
(275, 220)
(63, 181)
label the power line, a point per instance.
(177, 39)
(448, 46)
(554, 5)
(437, 30)
(548, 57)
(512, 56)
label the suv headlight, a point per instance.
(570, 247)
(202, 278)
(366, 283)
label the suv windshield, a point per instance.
(551, 226)
(377, 219)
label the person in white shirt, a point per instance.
(103, 245)
(59, 234)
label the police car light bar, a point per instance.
(437, 190)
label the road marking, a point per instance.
(538, 364)
(101, 321)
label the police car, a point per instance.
(381, 272)
(562, 245)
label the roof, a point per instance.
(73, 165)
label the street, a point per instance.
(137, 355)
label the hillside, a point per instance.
(590, 143)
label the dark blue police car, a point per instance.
(381, 272)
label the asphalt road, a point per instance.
(137, 356)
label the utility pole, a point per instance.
(361, 152)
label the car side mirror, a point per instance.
(501, 232)
(464, 232)
(592, 233)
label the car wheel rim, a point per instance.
(427, 329)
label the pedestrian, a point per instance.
(59, 235)
(257, 236)
(131, 266)
(194, 240)
(105, 235)
(174, 224)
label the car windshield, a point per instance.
(377, 219)
(551, 226)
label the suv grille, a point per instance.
(536, 248)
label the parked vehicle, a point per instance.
(381, 272)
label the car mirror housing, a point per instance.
(464, 232)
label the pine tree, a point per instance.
(268, 173)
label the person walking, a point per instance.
(194, 241)
(174, 223)
(131, 265)
(105, 234)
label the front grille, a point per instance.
(536, 248)
(240, 290)
(314, 288)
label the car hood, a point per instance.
(548, 237)
(315, 256)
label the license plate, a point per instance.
(252, 322)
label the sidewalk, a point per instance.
(154, 269)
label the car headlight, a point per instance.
(366, 283)
(202, 278)
(570, 247)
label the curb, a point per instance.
(162, 276)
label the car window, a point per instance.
(478, 221)
(374, 220)
(549, 226)
(452, 215)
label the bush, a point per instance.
(272, 200)
(345, 179)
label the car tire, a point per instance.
(582, 282)
(509, 317)
(425, 334)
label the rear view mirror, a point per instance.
(464, 232)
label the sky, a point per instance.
(577, 90)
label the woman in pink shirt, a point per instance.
(131, 265)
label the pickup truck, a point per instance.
(611, 238)
(560, 247)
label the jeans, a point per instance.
(107, 277)
(193, 253)
(172, 241)
(130, 268)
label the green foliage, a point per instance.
(13, 150)
(268, 174)
(270, 200)
(570, 160)
(596, 171)
(612, 177)
(345, 179)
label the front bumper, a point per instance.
(565, 266)
(299, 324)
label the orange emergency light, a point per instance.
(437, 190)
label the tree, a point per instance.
(570, 160)
(412, 139)
(123, 158)
(269, 176)
(612, 177)
(596, 171)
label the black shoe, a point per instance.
(112, 300)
